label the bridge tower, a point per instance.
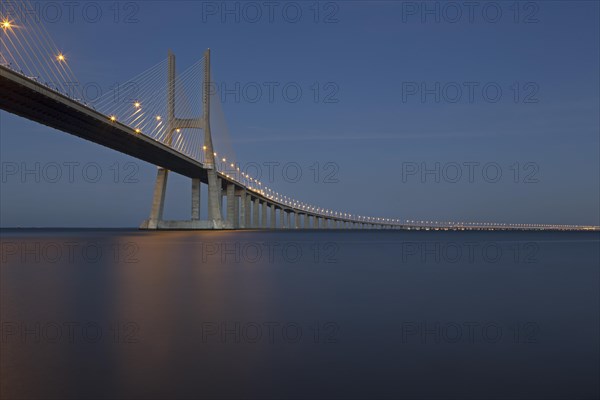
(174, 124)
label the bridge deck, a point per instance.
(29, 99)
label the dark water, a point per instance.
(346, 314)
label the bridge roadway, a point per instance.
(30, 99)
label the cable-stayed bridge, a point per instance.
(164, 118)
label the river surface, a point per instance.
(299, 314)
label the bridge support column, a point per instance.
(247, 206)
(231, 222)
(221, 194)
(281, 218)
(242, 209)
(296, 220)
(158, 200)
(255, 214)
(265, 212)
(214, 198)
(196, 199)
(237, 221)
(273, 216)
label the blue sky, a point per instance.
(364, 58)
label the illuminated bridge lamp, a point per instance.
(61, 57)
(6, 24)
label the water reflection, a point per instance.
(299, 314)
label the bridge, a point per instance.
(164, 118)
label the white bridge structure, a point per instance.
(164, 118)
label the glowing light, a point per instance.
(138, 131)
(61, 57)
(113, 118)
(6, 24)
(178, 130)
(158, 118)
(137, 104)
(203, 147)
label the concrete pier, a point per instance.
(158, 199)
(247, 210)
(255, 213)
(273, 216)
(281, 218)
(196, 185)
(231, 220)
(265, 212)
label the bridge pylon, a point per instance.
(174, 124)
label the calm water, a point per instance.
(346, 314)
